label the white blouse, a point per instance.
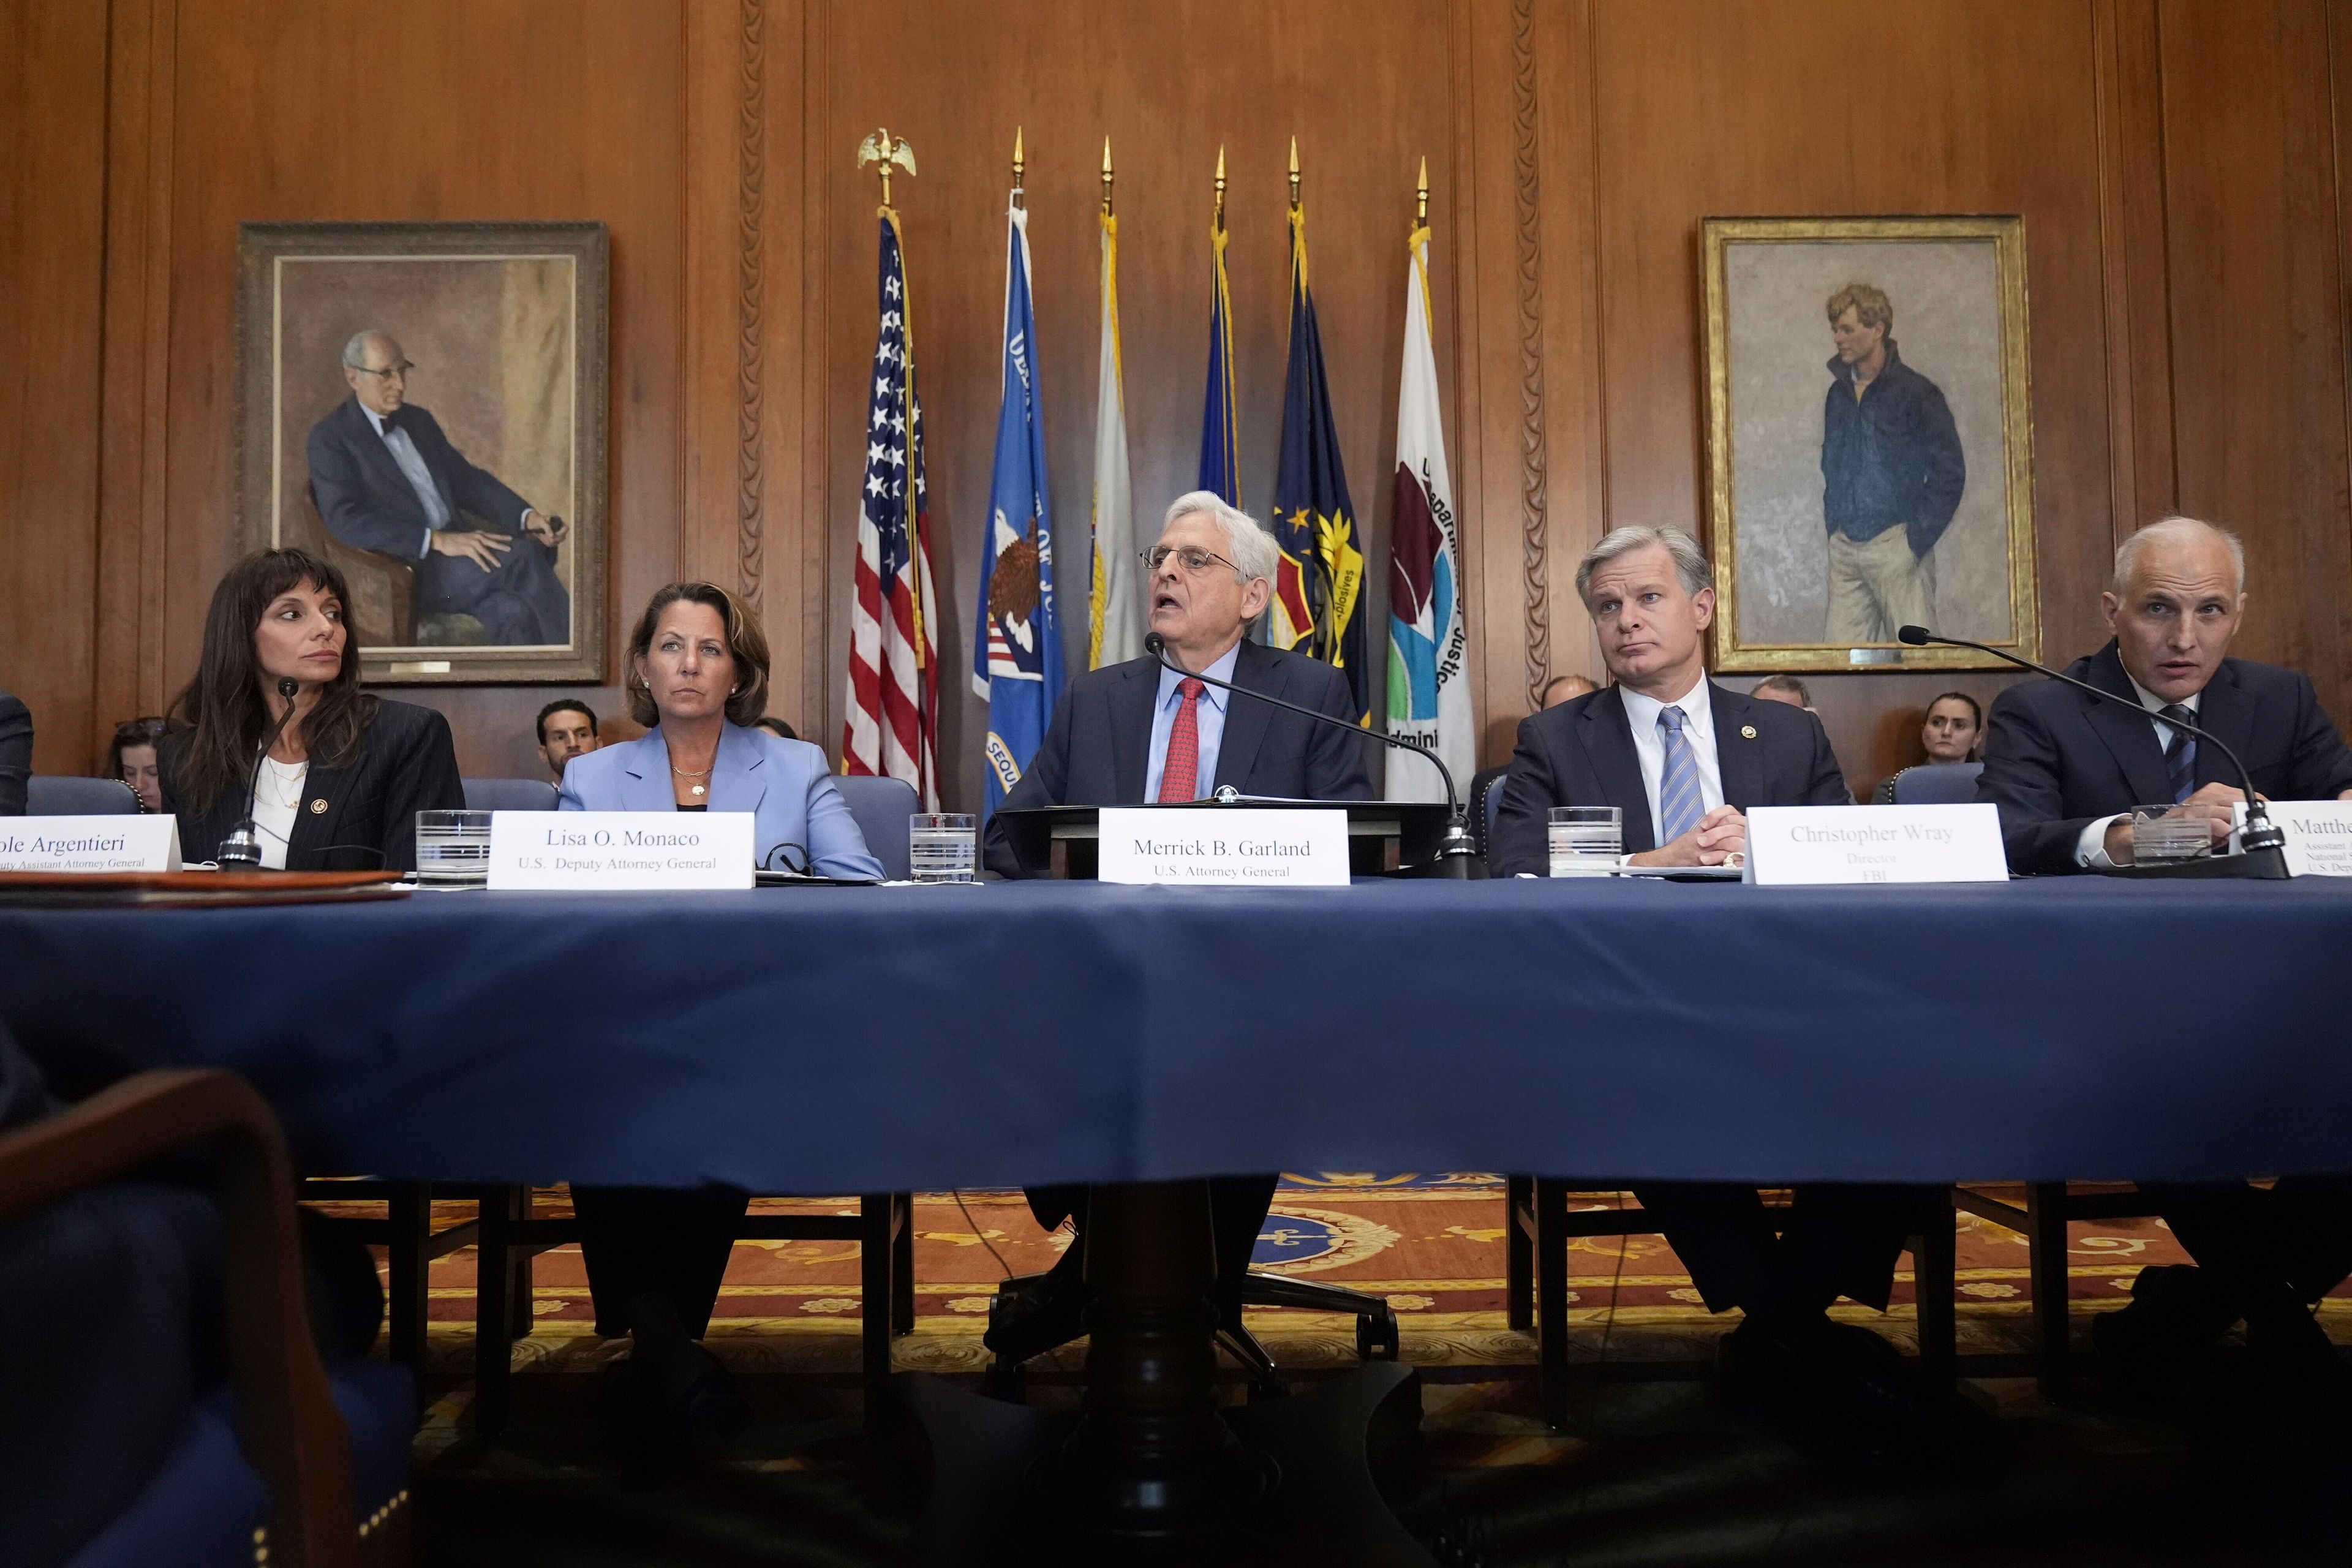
(277, 799)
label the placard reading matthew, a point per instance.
(1869, 486)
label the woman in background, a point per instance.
(698, 676)
(341, 784)
(131, 758)
(1950, 733)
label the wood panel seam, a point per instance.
(1534, 478)
(749, 372)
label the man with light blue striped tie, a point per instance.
(1683, 758)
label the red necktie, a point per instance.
(1180, 775)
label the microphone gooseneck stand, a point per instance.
(1457, 853)
(241, 850)
(2263, 845)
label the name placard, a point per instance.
(90, 844)
(1234, 846)
(2319, 835)
(616, 851)
(1790, 845)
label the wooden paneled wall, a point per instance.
(2177, 161)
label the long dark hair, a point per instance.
(223, 710)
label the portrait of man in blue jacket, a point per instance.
(386, 479)
(1892, 474)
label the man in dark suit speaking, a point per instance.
(1682, 759)
(1135, 732)
(2066, 770)
(386, 479)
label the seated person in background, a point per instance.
(1785, 689)
(344, 782)
(1562, 688)
(698, 676)
(1682, 757)
(131, 757)
(1949, 733)
(15, 754)
(1559, 688)
(2066, 770)
(386, 479)
(777, 728)
(567, 727)
(1134, 732)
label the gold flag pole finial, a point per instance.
(1020, 195)
(1221, 189)
(1293, 173)
(880, 149)
(1106, 176)
(1420, 198)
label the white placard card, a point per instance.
(613, 851)
(1792, 845)
(140, 843)
(1231, 846)
(2319, 835)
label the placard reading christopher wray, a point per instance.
(609, 850)
(1227, 846)
(1831, 844)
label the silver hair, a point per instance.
(355, 346)
(2175, 530)
(1250, 548)
(1690, 561)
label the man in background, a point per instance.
(1785, 689)
(386, 479)
(1562, 688)
(1892, 474)
(567, 727)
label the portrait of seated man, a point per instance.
(386, 479)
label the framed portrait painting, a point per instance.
(1869, 449)
(424, 404)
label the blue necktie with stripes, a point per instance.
(1680, 805)
(2180, 757)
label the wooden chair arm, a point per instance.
(286, 1421)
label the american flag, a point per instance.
(893, 656)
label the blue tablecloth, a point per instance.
(859, 1039)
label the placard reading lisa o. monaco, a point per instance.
(1231, 846)
(1791, 844)
(610, 851)
(89, 844)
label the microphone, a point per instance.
(241, 850)
(1457, 854)
(2263, 845)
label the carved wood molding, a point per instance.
(1533, 478)
(752, 404)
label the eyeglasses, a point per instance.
(1191, 557)
(402, 369)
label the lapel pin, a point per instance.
(1747, 731)
(318, 808)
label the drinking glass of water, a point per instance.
(2160, 833)
(1586, 839)
(453, 848)
(943, 846)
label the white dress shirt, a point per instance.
(2091, 849)
(277, 802)
(1698, 733)
(1208, 722)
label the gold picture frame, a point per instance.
(1783, 569)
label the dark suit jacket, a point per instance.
(365, 500)
(15, 754)
(1581, 754)
(2056, 759)
(405, 764)
(1099, 746)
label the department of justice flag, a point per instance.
(1115, 596)
(1429, 644)
(1017, 642)
(892, 724)
(1319, 587)
(1221, 468)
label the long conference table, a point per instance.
(876, 1039)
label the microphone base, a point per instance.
(2262, 865)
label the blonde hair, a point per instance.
(1870, 306)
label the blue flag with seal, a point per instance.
(1220, 456)
(1017, 644)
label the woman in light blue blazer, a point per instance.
(698, 674)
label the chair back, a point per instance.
(1487, 808)
(509, 794)
(58, 794)
(880, 808)
(1938, 784)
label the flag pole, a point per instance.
(1020, 197)
(1420, 198)
(1106, 178)
(1221, 184)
